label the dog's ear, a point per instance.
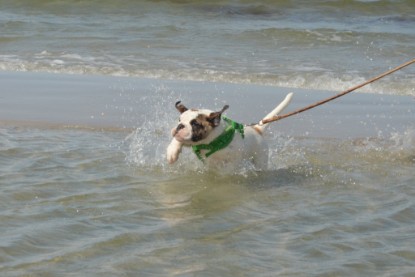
(214, 118)
(180, 107)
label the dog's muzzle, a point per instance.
(176, 130)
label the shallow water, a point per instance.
(84, 186)
(96, 203)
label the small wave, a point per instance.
(301, 76)
(232, 9)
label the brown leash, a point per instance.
(279, 117)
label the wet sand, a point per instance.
(81, 101)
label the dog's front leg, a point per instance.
(173, 150)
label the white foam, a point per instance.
(305, 76)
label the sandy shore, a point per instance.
(42, 99)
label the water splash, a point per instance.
(404, 141)
(148, 142)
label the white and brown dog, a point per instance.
(219, 141)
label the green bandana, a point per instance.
(221, 141)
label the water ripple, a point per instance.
(72, 203)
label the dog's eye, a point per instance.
(196, 124)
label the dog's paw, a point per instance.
(173, 151)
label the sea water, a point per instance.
(79, 202)
(84, 186)
(321, 44)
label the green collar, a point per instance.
(221, 141)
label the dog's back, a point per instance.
(252, 147)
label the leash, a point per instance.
(279, 117)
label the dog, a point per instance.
(219, 141)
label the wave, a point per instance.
(287, 43)
(299, 76)
(261, 7)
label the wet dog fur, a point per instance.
(202, 126)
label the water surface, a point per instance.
(86, 105)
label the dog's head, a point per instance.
(195, 125)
